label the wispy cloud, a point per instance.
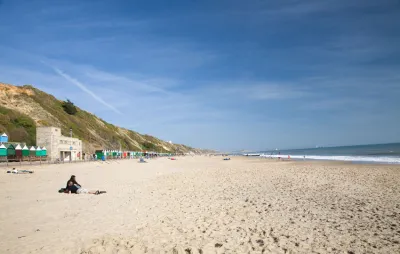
(255, 90)
(83, 88)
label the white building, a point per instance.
(57, 145)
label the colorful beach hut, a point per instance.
(99, 154)
(10, 150)
(25, 151)
(44, 151)
(18, 151)
(32, 151)
(3, 151)
(38, 152)
(3, 138)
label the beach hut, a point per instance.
(3, 151)
(38, 152)
(25, 151)
(18, 151)
(44, 151)
(99, 154)
(10, 150)
(32, 151)
(3, 138)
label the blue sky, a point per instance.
(225, 75)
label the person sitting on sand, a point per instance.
(73, 180)
(76, 189)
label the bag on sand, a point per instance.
(62, 190)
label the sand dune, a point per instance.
(204, 205)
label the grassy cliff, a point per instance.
(23, 108)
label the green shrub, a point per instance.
(69, 107)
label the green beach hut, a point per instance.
(99, 154)
(25, 152)
(32, 151)
(10, 150)
(38, 152)
(44, 151)
(3, 151)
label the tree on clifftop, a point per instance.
(69, 107)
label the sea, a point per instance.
(378, 153)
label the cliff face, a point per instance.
(24, 108)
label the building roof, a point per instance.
(25, 148)
(18, 147)
(4, 135)
(2, 146)
(33, 148)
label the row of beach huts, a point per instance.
(115, 154)
(10, 151)
(16, 152)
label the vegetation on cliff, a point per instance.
(25, 107)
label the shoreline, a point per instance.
(285, 158)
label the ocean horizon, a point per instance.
(373, 153)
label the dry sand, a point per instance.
(203, 205)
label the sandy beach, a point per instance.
(203, 205)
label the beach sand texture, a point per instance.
(203, 205)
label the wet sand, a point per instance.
(203, 205)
